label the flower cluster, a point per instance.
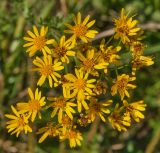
(85, 78)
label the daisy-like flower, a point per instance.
(63, 49)
(98, 109)
(61, 106)
(137, 49)
(81, 29)
(81, 87)
(91, 62)
(118, 120)
(141, 61)
(66, 124)
(134, 109)
(74, 137)
(49, 130)
(37, 41)
(48, 69)
(18, 122)
(34, 105)
(109, 54)
(125, 28)
(122, 84)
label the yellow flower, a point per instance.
(66, 124)
(60, 106)
(122, 85)
(118, 121)
(134, 109)
(81, 29)
(109, 54)
(81, 87)
(63, 49)
(141, 61)
(18, 122)
(37, 41)
(98, 109)
(91, 62)
(48, 69)
(137, 49)
(49, 130)
(74, 137)
(34, 105)
(126, 28)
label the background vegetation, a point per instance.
(16, 16)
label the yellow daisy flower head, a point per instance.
(48, 69)
(66, 124)
(81, 29)
(141, 61)
(62, 106)
(18, 122)
(125, 28)
(91, 62)
(118, 120)
(137, 49)
(134, 109)
(80, 87)
(50, 130)
(109, 54)
(74, 137)
(63, 49)
(98, 109)
(37, 41)
(122, 84)
(34, 105)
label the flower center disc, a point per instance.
(88, 64)
(60, 51)
(46, 70)
(124, 30)
(40, 42)
(72, 134)
(138, 48)
(21, 121)
(123, 83)
(80, 30)
(34, 105)
(60, 103)
(66, 120)
(95, 107)
(79, 84)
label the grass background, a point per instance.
(16, 16)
